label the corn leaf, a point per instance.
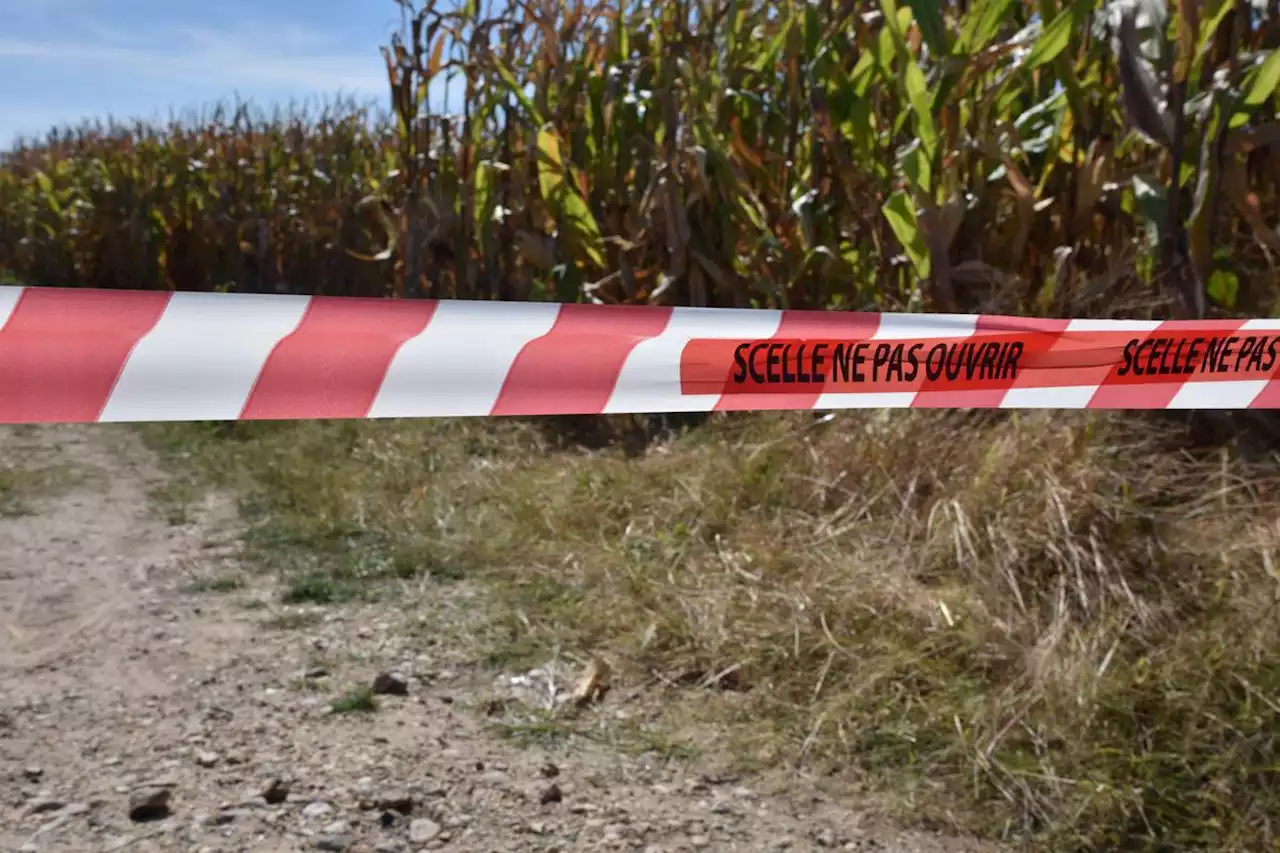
(981, 25)
(570, 209)
(1262, 82)
(1053, 39)
(900, 213)
(928, 15)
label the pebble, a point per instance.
(318, 809)
(397, 801)
(551, 794)
(150, 802)
(45, 805)
(391, 684)
(207, 759)
(423, 830)
(276, 792)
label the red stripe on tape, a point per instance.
(63, 349)
(1042, 334)
(1136, 368)
(573, 368)
(333, 364)
(1173, 343)
(799, 325)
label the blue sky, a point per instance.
(65, 60)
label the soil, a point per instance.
(145, 707)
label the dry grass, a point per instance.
(21, 485)
(1049, 627)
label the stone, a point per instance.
(316, 810)
(391, 684)
(276, 792)
(395, 801)
(207, 759)
(150, 802)
(44, 805)
(423, 830)
(551, 794)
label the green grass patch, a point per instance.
(21, 487)
(219, 584)
(358, 701)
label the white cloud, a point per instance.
(277, 56)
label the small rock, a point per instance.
(423, 830)
(44, 805)
(33, 774)
(338, 827)
(388, 819)
(699, 842)
(276, 792)
(150, 803)
(207, 759)
(318, 809)
(824, 837)
(550, 770)
(551, 794)
(391, 684)
(398, 801)
(331, 843)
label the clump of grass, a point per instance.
(175, 500)
(289, 620)
(219, 584)
(21, 486)
(359, 701)
(312, 588)
(1054, 629)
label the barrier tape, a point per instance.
(75, 356)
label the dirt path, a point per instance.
(123, 668)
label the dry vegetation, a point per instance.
(1056, 628)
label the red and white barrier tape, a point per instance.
(74, 355)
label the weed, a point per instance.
(21, 486)
(219, 584)
(290, 620)
(358, 701)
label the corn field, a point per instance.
(1046, 157)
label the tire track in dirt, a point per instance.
(114, 674)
